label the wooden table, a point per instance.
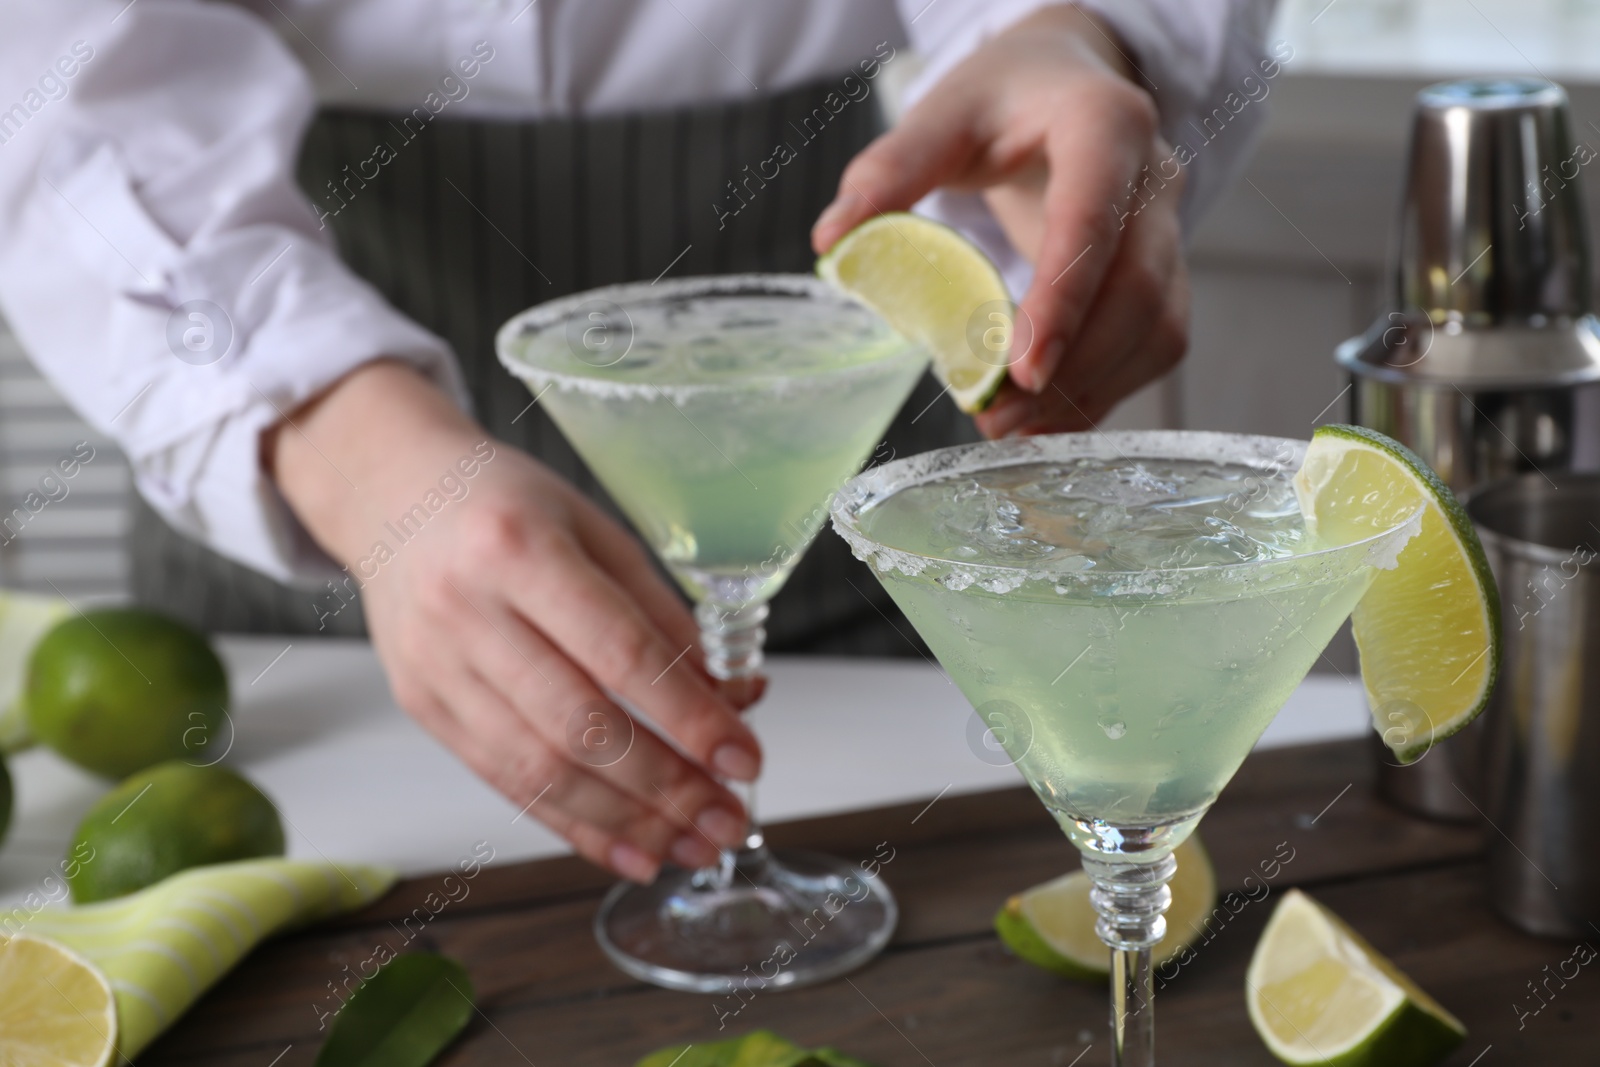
(945, 993)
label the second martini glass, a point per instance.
(721, 414)
(1126, 612)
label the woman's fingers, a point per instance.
(577, 721)
(621, 556)
(1135, 332)
(1095, 150)
(604, 823)
(1132, 301)
(549, 580)
(1158, 353)
(931, 144)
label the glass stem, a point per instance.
(733, 640)
(1131, 900)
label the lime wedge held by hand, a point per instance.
(1429, 629)
(56, 1008)
(937, 288)
(1052, 925)
(1320, 995)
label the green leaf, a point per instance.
(763, 1048)
(403, 1016)
(829, 1057)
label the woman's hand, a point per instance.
(508, 612)
(1046, 120)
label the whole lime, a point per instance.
(116, 690)
(167, 819)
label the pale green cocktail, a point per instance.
(721, 422)
(1130, 700)
(1126, 612)
(721, 414)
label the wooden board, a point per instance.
(945, 993)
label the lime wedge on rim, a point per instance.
(1052, 925)
(1318, 994)
(56, 1008)
(1429, 629)
(937, 288)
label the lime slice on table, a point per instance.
(1052, 925)
(1319, 994)
(1429, 629)
(937, 288)
(56, 1008)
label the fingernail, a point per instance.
(693, 851)
(736, 762)
(632, 864)
(1044, 368)
(841, 206)
(722, 826)
(1002, 421)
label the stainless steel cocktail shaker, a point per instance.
(1488, 361)
(1541, 792)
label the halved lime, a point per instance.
(937, 288)
(1319, 994)
(1052, 925)
(56, 1008)
(1429, 629)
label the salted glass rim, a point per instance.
(556, 313)
(1272, 455)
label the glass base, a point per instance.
(760, 921)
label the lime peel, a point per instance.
(1320, 996)
(1428, 628)
(1052, 925)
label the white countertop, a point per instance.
(356, 779)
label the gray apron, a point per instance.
(472, 221)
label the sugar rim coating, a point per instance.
(1277, 457)
(512, 338)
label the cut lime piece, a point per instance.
(1052, 925)
(1319, 994)
(937, 288)
(1429, 629)
(56, 1008)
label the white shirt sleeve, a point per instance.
(1201, 60)
(161, 267)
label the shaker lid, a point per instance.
(1491, 222)
(1492, 280)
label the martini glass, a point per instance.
(1126, 612)
(721, 414)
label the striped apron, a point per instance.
(472, 221)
